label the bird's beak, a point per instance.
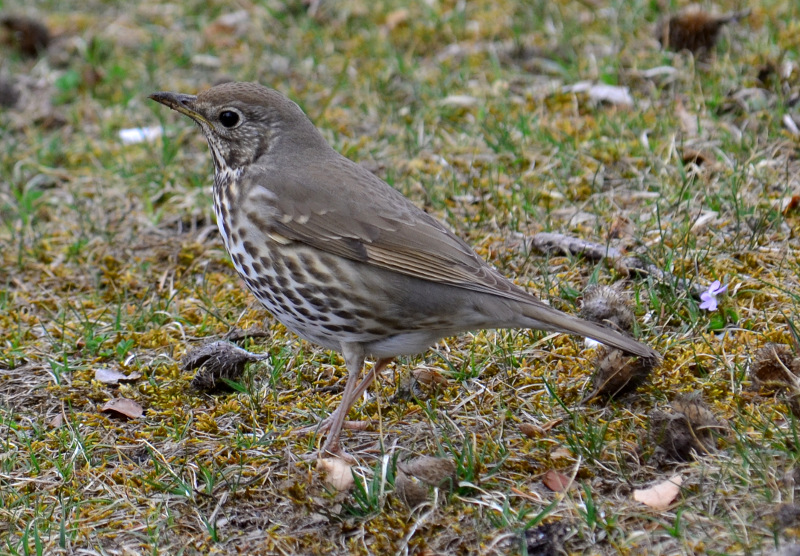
(180, 103)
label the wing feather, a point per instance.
(372, 224)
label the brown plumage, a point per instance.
(339, 256)
(693, 29)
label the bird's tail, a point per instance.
(548, 318)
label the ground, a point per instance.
(505, 120)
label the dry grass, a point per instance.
(109, 260)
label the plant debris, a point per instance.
(417, 477)
(548, 539)
(608, 305)
(774, 365)
(688, 429)
(123, 407)
(617, 374)
(30, 36)
(693, 29)
(217, 362)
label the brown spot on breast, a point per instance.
(310, 264)
(294, 268)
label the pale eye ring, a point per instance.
(229, 118)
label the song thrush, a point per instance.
(340, 257)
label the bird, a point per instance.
(340, 257)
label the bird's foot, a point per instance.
(331, 447)
(329, 450)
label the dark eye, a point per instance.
(228, 118)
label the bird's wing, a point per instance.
(368, 221)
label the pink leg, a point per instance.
(352, 391)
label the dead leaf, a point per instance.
(560, 453)
(612, 94)
(338, 473)
(529, 430)
(395, 18)
(556, 481)
(113, 376)
(56, 421)
(461, 101)
(788, 204)
(123, 407)
(429, 377)
(661, 495)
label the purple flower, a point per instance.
(709, 297)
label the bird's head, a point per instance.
(243, 122)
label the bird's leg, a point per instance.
(354, 361)
(337, 418)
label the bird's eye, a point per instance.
(228, 118)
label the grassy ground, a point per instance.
(109, 259)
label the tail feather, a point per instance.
(548, 318)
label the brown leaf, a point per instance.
(529, 430)
(661, 495)
(556, 481)
(123, 407)
(429, 377)
(789, 204)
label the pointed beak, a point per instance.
(179, 102)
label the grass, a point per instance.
(109, 258)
